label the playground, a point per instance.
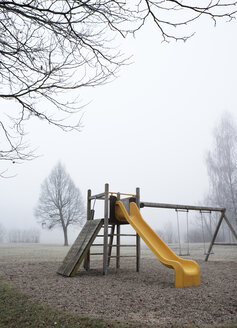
(148, 298)
(144, 284)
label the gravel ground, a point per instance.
(148, 297)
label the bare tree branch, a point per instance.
(48, 48)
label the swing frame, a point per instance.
(212, 243)
(201, 209)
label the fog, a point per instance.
(149, 128)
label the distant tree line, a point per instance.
(19, 235)
(200, 230)
(24, 236)
(2, 233)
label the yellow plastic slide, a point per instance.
(187, 273)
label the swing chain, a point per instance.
(187, 231)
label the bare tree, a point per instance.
(2, 233)
(222, 167)
(51, 47)
(167, 233)
(60, 203)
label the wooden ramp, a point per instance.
(80, 247)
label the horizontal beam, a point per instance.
(98, 196)
(225, 244)
(121, 193)
(182, 207)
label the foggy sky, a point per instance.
(149, 128)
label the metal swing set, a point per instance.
(202, 210)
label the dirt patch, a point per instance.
(148, 297)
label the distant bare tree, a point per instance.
(24, 236)
(167, 233)
(196, 236)
(60, 203)
(160, 233)
(2, 233)
(222, 167)
(50, 47)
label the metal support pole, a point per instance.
(203, 234)
(87, 258)
(180, 249)
(106, 221)
(188, 253)
(138, 239)
(118, 242)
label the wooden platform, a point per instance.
(79, 249)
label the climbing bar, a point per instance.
(97, 245)
(125, 235)
(182, 207)
(121, 193)
(123, 245)
(114, 256)
(122, 235)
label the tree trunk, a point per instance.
(65, 236)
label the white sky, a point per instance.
(150, 128)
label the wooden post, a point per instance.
(230, 226)
(106, 221)
(87, 259)
(223, 216)
(214, 236)
(118, 247)
(118, 242)
(138, 239)
(111, 238)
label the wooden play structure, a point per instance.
(120, 209)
